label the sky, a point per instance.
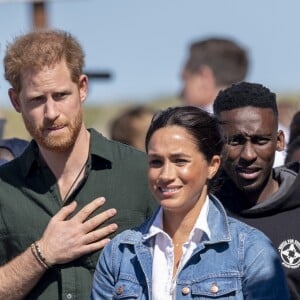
(144, 44)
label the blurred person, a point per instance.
(51, 233)
(130, 126)
(212, 65)
(189, 248)
(293, 146)
(293, 150)
(253, 191)
(2, 124)
(11, 148)
(294, 127)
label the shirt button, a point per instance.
(185, 290)
(69, 296)
(214, 288)
(120, 290)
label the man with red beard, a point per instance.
(253, 191)
(51, 231)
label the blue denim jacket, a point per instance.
(238, 262)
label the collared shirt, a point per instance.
(29, 197)
(164, 284)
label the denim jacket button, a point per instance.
(185, 290)
(214, 288)
(120, 290)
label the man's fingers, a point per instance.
(64, 212)
(95, 246)
(99, 219)
(87, 210)
(99, 234)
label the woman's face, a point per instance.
(178, 171)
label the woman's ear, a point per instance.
(214, 166)
(14, 99)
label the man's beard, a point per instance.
(60, 143)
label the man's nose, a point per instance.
(50, 110)
(248, 151)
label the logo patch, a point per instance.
(290, 253)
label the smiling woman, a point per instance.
(190, 248)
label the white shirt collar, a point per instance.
(200, 227)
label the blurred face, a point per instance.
(51, 105)
(192, 92)
(199, 88)
(252, 139)
(178, 171)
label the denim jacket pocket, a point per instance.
(216, 287)
(127, 290)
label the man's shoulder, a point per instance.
(112, 150)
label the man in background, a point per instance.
(212, 65)
(11, 148)
(131, 125)
(253, 191)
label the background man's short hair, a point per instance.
(227, 59)
(245, 94)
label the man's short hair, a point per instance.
(41, 48)
(227, 59)
(245, 94)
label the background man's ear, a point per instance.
(280, 141)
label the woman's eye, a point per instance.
(181, 161)
(154, 163)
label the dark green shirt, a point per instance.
(29, 197)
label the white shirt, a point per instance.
(280, 155)
(163, 283)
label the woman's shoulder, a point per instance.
(248, 234)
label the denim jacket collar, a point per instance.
(217, 222)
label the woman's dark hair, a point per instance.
(202, 126)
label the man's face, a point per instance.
(251, 141)
(191, 91)
(51, 105)
(198, 87)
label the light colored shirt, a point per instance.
(163, 282)
(280, 155)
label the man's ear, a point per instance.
(83, 87)
(14, 99)
(280, 141)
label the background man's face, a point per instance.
(251, 142)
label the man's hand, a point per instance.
(66, 239)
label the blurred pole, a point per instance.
(40, 21)
(39, 15)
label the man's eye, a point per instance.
(59, 96)
(260, 140)
(38, 98)
(235, 141)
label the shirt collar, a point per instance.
(100, 148)
(200, 227)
